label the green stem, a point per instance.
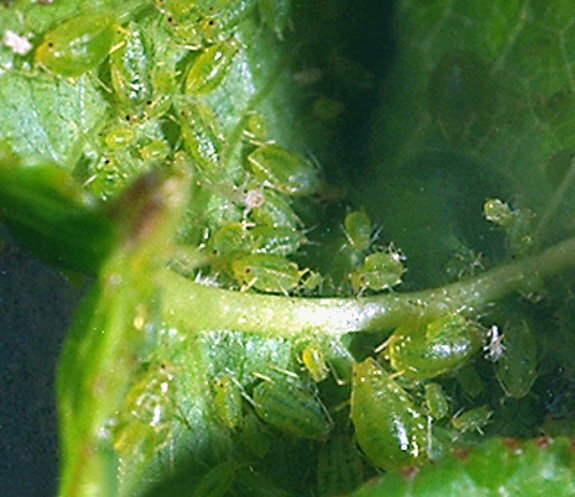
(194, 307)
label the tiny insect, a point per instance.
(199, 131)
(470, 381)
(379, 271)
(288, 407)
(210, 67)
(339, 467)
(389, 429)
(228, 401)
(218, 481)
(285, 171)
(255, 128)
(435, 348)
(436, 401)
(156, 150)
(313, 359)
(222, 17)
(119, 137)
(498, 212)
(276, 15)
(275, 212)
(310, 281)
(231, 241)
(280, 241)
(130, 69)
(267, 272)
(472, 420)
(357, 229)
(516, 368)
(78, 45)
(148, 412)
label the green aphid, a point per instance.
(255, 435)
(310, 280)
(268, 273)
(275, 212)
(516, 365)
(285, 171)
(228, 401)
(389, 429)
(229, 242)
(339, 467)
(472, 420)
(210, 67)
(218, 481)
(119, 137)
(130, 67)
(470, 381)
(144, 421)
(436, 401)
(289, 408)
(202, 140)
(358, 229)
(279, 241)
(276, 15)
(255, 128)
(422, 351)
(498, 212)
(78, 45)
(379, 271)
(222, 17)
(156, 150)
(314, 361)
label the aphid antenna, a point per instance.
(286, 372)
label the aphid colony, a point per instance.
(161, 66)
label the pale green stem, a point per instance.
(193, 307)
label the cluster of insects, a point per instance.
(163, 66)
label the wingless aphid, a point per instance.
(78, 45)
(516, 367)
(210, 67)
(228, 401)
(288, 407)
(130, 67)
(389, 428)
(285, 171)
(222, 17)
(421, 351)
(267, 272)
(357, 229)
(379, 271)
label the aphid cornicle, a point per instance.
(389, 429)
(290, 408)
(285, 171)
(267, 273)
(210, 67)
(78, 45)
(427, 350)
